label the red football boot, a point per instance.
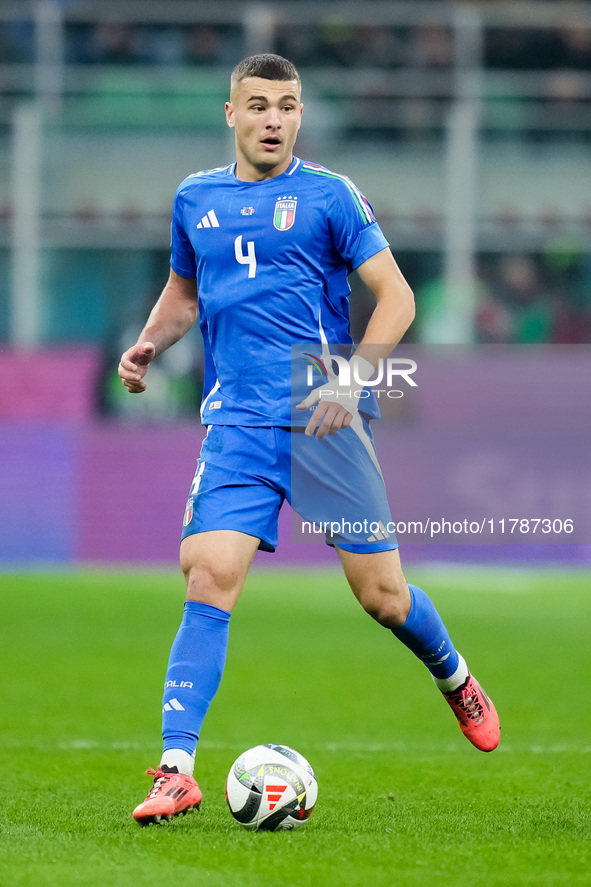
(171, 794)
(477, 716)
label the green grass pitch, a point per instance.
(404, 799)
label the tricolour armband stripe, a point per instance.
(361, 203)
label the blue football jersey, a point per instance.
(271, 260)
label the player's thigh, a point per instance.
(377, 581)
(215, 565)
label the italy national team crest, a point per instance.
(285, 210)
(188, 513)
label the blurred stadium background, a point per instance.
(467, 124)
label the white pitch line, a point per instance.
(336, 747)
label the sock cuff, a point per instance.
(413, 589)
(179, 758)
(195, 608)
(455, 680)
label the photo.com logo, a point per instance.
(346, 381)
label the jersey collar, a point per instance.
(295, 163)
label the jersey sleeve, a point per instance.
(355, 232)
(182, 255)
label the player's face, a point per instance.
(265, 116)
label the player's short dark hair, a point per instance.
(266, 65)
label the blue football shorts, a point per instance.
(244, 475)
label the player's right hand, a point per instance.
(134, 364)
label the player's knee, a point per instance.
(215, 565)
(389, 607)
(212, 582)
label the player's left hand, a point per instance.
(328, 417)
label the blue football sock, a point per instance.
(425, 634)
(195, 669)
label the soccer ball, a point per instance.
(271, 788)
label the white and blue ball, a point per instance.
(271, 788)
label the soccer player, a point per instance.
(261, 250)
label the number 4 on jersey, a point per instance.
(247, 258)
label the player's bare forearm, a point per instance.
(395, 309)
(393, 314)
(173, 315)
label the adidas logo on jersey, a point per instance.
(209, 221)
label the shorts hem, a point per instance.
(264, 545)
(365, 548)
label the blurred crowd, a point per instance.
(561, 55)
(521, 298)
(332, 42)
(535, 299)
